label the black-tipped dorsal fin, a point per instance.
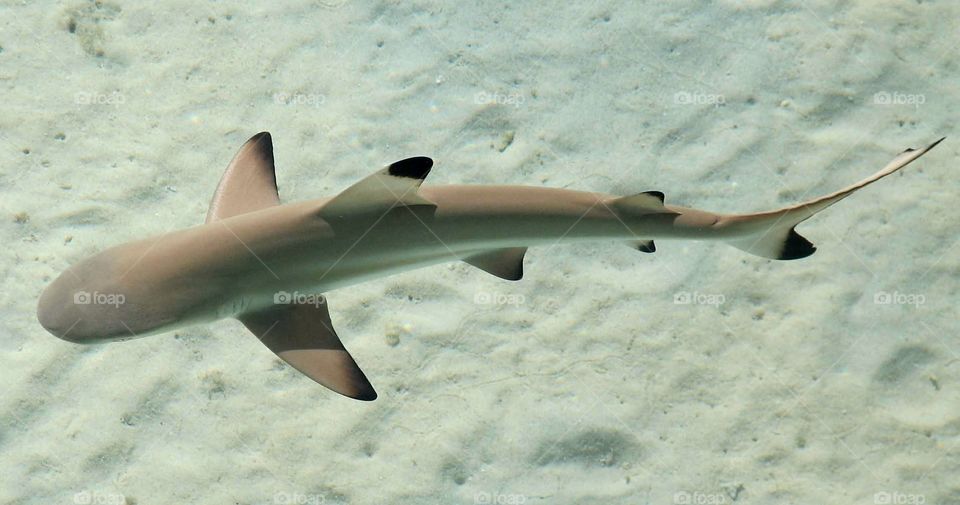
(249, 183)
(302, 335)
(504, 263)
(656, 194)
(393, 186)
(417, 167)
(648, 202)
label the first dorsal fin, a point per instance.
(393, 186)
(249, 183)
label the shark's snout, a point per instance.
(55, 315)
(59, 311)
(80, 314)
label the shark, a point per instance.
(269, 264)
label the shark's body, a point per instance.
(253, 255)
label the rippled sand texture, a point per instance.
(693, 375)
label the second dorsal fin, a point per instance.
(648, 202)
(249, 183)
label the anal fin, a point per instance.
(504, 263)
(302, 335)
(646, 246)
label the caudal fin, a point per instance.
(771, 234)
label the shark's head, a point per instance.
(92, 302)
(76, 310)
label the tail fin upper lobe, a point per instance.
(771, 234)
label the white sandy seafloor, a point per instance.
(781, 383)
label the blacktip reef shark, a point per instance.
(252, 253)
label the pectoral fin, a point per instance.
(504, 263)
(302, 335)
(249, 183)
